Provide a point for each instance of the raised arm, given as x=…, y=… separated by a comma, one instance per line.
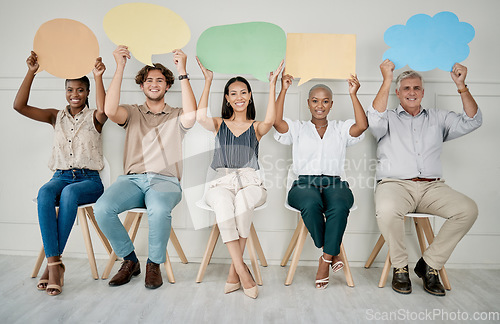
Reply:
x=209, y=123
x=264, y=126
x=113, y=110
x=100, y=94
x=21, y=101
x=380, y=101
x=361, y=123
x=458, y=74
x=279, y=124
x=188, y=117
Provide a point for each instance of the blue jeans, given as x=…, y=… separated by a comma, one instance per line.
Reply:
x=157, y=193
x=67, y=189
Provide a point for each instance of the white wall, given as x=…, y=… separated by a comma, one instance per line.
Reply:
x=470, y=163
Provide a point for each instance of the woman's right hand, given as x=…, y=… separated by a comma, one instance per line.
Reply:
x=121, y=54
x=209, y=75
x=32, y=62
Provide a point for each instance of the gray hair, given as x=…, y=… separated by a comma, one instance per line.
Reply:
x=410, y=74
x=321, y=86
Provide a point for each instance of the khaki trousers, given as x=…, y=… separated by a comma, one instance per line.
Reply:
x=395, y=198
x=233, y=197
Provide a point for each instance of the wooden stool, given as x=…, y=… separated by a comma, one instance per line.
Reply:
x=84, y=212
x=253, y=246
x=132, y=221
x=297, y=243
x=422, y=226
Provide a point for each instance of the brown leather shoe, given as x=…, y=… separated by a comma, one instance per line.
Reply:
x=153, y=276
x=128, y=269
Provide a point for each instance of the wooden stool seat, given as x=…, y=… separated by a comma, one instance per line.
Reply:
x=423, y=228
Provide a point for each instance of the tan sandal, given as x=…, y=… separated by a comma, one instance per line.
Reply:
x=56, y=288
x=319, y=282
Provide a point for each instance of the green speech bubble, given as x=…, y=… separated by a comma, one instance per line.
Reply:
x=255, y=48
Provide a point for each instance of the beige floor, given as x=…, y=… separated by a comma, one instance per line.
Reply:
x=85, y=300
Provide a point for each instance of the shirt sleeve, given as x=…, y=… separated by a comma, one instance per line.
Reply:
x=456, y=125
x=286, y=138
x=378, y=122
x=129, y=114
x=350, y=140
x=183, y=128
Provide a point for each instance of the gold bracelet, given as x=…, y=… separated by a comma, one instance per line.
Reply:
x=463, y=90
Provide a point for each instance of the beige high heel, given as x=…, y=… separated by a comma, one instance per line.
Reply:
x=56, y=288
x=230, y=287
x=251, y=292
x=324, y=281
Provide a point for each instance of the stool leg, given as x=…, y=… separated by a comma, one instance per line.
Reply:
x=253, y=259
x=38, y=263
x=258, y=247
x=90, y=214
x=212, y=240
x=168, y=269
x=291, y=246
x=420, y=235
x=88, y=242
x=177, y=246
x=385, y=271
x=296, y=254
x=347, y=268
x=429, y=233
x=376, y=250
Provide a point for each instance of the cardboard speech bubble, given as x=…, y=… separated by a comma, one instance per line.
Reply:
x=255, y=48
x=426, y=43
x=325, y=56
x=165, y=31
x=65, y=48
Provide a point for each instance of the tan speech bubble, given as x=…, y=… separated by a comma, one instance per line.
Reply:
x=324, y=56
x=65, y=48
x=163, y=31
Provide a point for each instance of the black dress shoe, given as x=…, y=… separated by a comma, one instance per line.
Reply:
x=430, y=277
x=401, y=280
x=153, y=276
x=128, y=269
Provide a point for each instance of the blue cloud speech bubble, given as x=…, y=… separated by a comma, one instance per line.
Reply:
x=426, y=43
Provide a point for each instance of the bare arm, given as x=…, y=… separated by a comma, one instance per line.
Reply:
x=380, y=101
x=361, y=123
x=21, y=101
x=113, y=110
x=209, y=123
x=188, y=117
x=264, y=126
x=458, y=74
x=279, y=124
x=100, y=95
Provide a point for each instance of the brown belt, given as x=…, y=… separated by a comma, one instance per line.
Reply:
x=424, y=179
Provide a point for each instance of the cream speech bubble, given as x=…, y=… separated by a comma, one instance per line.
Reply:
x=65, y=48
x=164, y=29
x=325, y=56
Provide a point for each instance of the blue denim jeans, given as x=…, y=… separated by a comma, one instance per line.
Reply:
x=157, y=193
x=67, y=189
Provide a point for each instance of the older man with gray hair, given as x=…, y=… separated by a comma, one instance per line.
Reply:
x=409, y=175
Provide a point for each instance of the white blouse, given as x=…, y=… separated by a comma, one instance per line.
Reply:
x=313, y=155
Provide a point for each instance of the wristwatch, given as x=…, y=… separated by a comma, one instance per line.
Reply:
x=185, y=76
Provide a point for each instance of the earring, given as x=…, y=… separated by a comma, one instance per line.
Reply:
x=250, y=101
x=228, y=104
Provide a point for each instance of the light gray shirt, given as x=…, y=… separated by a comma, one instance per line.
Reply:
x=410, y=146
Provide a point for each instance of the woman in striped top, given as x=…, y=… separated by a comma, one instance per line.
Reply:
x=238, y=189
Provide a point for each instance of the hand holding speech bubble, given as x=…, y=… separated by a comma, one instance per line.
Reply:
x=325, y=56
x=65, y=48
x=255, y=48
x=166, y=30
x=426, y=43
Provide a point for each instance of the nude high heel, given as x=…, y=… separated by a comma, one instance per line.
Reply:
x=251, y=292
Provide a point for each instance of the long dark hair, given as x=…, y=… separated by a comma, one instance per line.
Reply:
x=83, y=80
x=227, y=109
